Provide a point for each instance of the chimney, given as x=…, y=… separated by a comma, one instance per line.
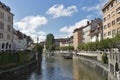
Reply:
x=92, y=20
x=88, y=22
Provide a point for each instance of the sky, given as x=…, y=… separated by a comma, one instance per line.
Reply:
x=37, y=18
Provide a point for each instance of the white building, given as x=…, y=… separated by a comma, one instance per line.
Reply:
x=6, y=27
x=86, y=32
x=19, y=40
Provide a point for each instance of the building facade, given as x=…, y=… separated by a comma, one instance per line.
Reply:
x=19, y=41
x=65, y=42
x=77, y=37
x=96, y=31
x=6, y=28
x=111, y=18
x=86, y=33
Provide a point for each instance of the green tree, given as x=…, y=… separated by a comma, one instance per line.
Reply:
x=104, y=58
x=39, y=49
x=66, y=48
x=49, y=43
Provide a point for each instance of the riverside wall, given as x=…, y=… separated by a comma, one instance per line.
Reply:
x=15, y=72
x=94, y=64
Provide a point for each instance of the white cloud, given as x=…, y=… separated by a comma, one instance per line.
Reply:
x=58, y=10
x=29, y=24
x=85, y=8
x=97, y=7
x=70, y=29
x=89, y=17
x=41, y=33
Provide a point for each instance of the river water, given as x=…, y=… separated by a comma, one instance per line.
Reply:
x=58, y=68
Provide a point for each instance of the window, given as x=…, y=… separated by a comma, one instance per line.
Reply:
x=108, y=25
x=1, y=35
x=108, y=17
x=8, y=36
x=118, y=10
x=2, y=45
x=1, y=25
x=104, y=26
x=118, y=20
x=118, y=30
x=9, y=28
x=9, y=18
x=1, y=15
x=6, y=45
x=107, y=8
x=105, y=34
x=109, y=33
x=111, y=5
x=113, y=31
x=104, y=19
x=9, y=46
x=104, y=11
x=113, y=22
x=113, y=13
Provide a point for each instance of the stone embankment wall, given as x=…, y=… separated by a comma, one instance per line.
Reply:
x=15, y=72
x=98, y=66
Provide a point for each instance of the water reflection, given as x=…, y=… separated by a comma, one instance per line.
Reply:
x=82, y=72
x=57, y=68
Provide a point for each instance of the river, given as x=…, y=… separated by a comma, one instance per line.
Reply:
x=58, y=68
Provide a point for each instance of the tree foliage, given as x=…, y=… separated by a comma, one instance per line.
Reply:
x=29, y=40
x=100, y=45
x=66, y=48
x=49, y=43
x=39, y=48
x=104, y=58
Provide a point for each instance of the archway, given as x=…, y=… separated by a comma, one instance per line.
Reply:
x=9, y=46
x=3, y=45
x=6, y=45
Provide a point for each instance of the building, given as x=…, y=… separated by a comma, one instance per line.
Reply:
x=111, y=26
x=6, y=28
x=86, y=32
x=111, y=18
x=96, y=31
x=19, y=41
x=62, y=42
x=77, y=37
x=15, y=39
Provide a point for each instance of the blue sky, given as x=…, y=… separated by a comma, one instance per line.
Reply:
x=60, y=17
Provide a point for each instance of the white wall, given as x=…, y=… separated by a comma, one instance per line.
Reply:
x=86, y=32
